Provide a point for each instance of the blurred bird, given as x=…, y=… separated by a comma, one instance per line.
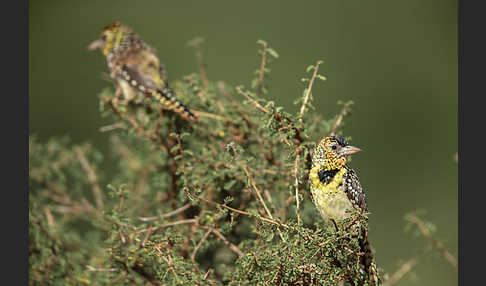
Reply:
x=136, y=68
x=336, y=188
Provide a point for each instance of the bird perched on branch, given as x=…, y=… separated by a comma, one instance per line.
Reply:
x=136, y=68
x=335, y=188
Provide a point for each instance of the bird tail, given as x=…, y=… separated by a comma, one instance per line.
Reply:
x=168, y=98
x=368, y=260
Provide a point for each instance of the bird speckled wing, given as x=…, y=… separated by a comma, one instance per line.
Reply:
x=336, y=188
x=354, y=190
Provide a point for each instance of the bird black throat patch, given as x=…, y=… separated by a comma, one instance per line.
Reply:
x=326, y=176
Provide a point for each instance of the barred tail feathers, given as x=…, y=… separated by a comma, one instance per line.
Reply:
x=167, y=98
x=368, y=260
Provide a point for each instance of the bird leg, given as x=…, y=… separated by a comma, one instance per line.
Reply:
x=335, y=224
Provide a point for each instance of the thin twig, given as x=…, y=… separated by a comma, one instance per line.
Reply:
x=233, y=247
x=264, y=219
x=171, y=263
x=236, y=104
x=78, y=208
x=309, y=89
x=194, y=252
x=339, y=119
x=207, y=274
x=211, y=115
x=277, y=116
x=356, y=218
x=93, y=269
x=252, y=183
x=257, y=105
x=167, y=260
x=174, y=223
x=406, y=267
x=166, y=215
x=296, y=184
x=50, y=219
x=147, y=236
x=93, y=181
x=139, y=129
x=111, y=127
x=262, y=70
x=196, y=44
x=426, y=232
x=257, y=191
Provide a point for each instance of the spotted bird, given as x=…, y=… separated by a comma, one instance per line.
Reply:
x=336, y=188
x=136, y=68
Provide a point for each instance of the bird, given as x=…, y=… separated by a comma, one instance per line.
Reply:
x=335, y=189
x=135, y=67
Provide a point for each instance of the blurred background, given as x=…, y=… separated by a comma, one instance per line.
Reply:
x=397, y=60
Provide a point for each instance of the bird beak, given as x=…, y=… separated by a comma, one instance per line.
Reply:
x=349, y=150
x=95, y=45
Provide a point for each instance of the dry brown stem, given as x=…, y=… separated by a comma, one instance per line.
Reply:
x=296, y=184
x=92, y=179
x=196, y=44
x=406, y=267
x=308, y=93
x=257, y=105
x=339, y=119
x=205, y=236
x=166, y=215
x=427, y=234
x=233, y=247
x=262, y=70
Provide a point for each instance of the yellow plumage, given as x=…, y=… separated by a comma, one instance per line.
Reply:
x=335, y=189
x=330, y=198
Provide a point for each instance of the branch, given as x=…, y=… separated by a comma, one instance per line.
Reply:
x=194, y=252
x=93, y=181
x=167, y=260
x=437, y=245
x=309, y=89
x=406, y=267
x=262, y=69
x=233, y=247
x=238, y=211
x=174, y=223
x=213, y=116
x=236, y=104
x=339, y=120
x=196, y=44
x=257, y=105
x=169, y=214
x=257, y=191
x=111, y=127
x=296, y=183
x=94, y=269
x=50, y=219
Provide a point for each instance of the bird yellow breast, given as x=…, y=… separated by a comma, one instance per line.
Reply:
x=330, y=198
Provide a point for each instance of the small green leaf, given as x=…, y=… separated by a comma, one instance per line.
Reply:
x=261, y=42
x=272, y=52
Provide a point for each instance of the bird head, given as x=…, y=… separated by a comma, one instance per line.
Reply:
x=333, y=152
x=111, y=37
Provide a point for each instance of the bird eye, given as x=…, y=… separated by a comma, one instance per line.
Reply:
x=333, y=147
x=103, y=37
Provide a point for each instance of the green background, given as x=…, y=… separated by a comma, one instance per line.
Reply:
x=397, y=60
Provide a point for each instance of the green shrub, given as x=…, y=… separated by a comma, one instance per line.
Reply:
x=223, y=201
